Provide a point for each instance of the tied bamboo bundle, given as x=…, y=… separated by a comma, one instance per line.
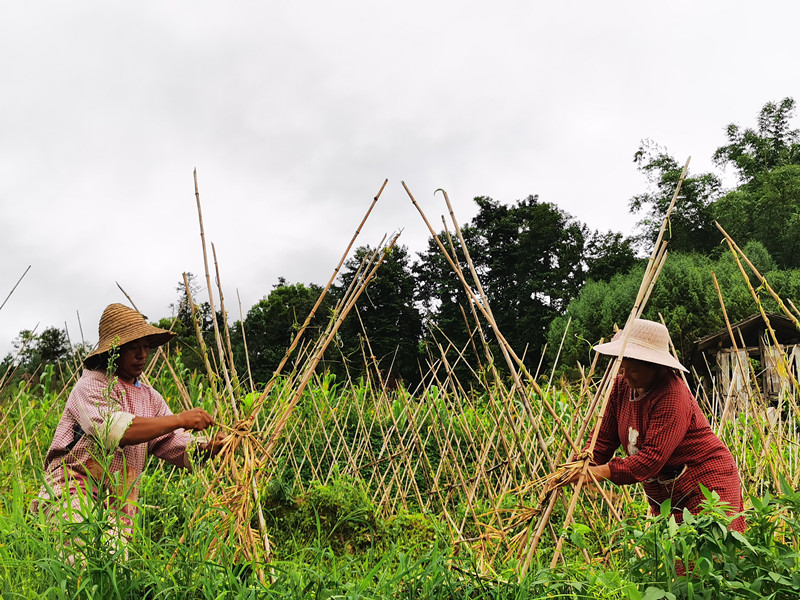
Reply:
x=564, y=474
x=233, y=481
x=520, y=376
x=654, y=265
x=578, y=462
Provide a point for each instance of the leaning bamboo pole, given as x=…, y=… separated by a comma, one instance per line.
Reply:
x=15, y=286
x=244, y=342
x=785, y=367
x=512, y=361
x=740, y=365
x=228, y=346
x=740, y=256
x=762, y=280
x=481, y=303
x=452, y=261
x=217, y=337
x=653, y=269
x=201, y=343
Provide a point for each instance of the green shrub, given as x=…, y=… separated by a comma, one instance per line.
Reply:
x=720, y=563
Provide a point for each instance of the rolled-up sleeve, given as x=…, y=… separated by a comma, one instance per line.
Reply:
x=98, y=415
x=172, y=447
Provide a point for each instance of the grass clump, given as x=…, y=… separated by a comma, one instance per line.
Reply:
x=341, y=514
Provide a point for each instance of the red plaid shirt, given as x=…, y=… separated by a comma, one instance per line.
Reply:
x=665, y=434
x=93, y=422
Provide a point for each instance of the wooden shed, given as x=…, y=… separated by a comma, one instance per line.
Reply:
x=724, y=362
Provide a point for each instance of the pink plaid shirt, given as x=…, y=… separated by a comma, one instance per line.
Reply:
x=93, y=424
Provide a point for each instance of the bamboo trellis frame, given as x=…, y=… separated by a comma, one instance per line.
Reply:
x=433, y=455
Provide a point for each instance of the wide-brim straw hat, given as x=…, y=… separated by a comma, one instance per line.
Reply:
x=648, y=341
x=120, y=325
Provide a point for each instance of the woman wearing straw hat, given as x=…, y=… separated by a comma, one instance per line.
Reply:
x=109, y=425
x=669, y=444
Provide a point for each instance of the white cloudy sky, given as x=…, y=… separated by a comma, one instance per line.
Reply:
x=294, y=113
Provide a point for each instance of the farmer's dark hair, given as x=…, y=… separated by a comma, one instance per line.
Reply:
x=98, y=362
x=651, y=365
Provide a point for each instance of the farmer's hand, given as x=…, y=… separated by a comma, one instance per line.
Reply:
x=600, y=472
x=212, y=447
x=195, y=418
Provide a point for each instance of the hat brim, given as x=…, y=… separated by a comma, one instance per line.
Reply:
x=638, y=352
x=154, y=335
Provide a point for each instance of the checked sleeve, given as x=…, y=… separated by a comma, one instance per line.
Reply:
x=171, y=447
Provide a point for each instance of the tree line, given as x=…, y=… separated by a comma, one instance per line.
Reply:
x=541, y=269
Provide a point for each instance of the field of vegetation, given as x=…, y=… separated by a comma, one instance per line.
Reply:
x=340, y=480
x=334, y=488
x=383, y=494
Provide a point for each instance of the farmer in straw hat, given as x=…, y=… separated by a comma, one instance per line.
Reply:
x=669, y=444
x=110, y=425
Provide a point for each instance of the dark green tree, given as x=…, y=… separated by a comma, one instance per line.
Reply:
x=766, y=205
x=766, y=210
x=385, y=323
x=608, y=254
x=771, y=144
x=692, y=226
x=26, y=351
x=271, y=325
x=52, y=345
x=33, y=352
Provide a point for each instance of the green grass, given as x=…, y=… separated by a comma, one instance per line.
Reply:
x=332, y=540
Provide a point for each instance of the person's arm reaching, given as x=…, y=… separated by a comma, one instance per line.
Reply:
x=146, y=429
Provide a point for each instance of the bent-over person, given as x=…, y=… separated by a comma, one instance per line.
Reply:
x=669, y=445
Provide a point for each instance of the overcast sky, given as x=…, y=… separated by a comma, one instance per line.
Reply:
x=294, y=113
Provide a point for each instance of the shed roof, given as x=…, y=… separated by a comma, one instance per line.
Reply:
x=750, y=329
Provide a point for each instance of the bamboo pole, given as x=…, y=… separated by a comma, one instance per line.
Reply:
x=735, y=348
x=228, y=346
x=244, y=341
x=483, y=309
x=764, y=317
x=762, y=280
x=217, y=337
x=655, y=262
x=212, y=377
x=505, y=347
x=15, y=286
x=316, y=306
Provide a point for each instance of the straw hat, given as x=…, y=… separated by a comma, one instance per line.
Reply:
x=120, y=325
x=648, y=341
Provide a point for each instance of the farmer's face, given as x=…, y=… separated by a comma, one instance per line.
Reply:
x=639, y=375
x=132, y=360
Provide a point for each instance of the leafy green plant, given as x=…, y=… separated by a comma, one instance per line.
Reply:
x=701, y=558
